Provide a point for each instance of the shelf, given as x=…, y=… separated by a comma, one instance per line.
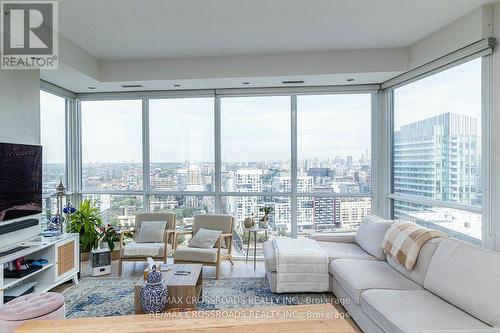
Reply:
x=9, y=282
x=43, y=287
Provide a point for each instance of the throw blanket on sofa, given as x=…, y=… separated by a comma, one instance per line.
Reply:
x=404, y=240
x=301, y=266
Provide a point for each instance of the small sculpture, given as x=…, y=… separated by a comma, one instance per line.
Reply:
x=154, y=293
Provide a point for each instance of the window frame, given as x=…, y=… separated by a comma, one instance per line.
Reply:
x=218, y=194
x=486, y=129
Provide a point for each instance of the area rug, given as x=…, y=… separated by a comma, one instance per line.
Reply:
x=115, y=296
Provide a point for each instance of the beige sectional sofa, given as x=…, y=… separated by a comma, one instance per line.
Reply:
x=454, y=286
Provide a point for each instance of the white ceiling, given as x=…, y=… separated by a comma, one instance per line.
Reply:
x=152, y=29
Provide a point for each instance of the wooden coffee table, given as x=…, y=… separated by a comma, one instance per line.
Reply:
x=184, y=291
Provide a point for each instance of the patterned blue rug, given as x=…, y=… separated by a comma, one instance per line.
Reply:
x=115, y=296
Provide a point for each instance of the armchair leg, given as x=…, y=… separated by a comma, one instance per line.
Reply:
x=217, y=271
x=119, y=267
x=231, y=261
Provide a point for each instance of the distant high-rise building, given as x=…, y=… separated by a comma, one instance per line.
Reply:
x=352, y=212
x=193, y=175
x=326, y=210
x=283, y=210
x=244, y=180
x=438, y=158
x=349, y=162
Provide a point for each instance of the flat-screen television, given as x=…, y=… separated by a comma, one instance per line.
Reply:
x=20, y=181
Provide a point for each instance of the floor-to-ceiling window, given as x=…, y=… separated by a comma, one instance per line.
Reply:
x=182, y=167
x=256, y=155
x=231, y=154
x=53, y=140
x=437, y=178
x=111, y=149
x=333, y=161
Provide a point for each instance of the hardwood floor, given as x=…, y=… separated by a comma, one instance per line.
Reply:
x=240, y=269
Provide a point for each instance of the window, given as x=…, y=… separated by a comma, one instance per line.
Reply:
x=182, y=144
x=112, y=145
x=255, y=135
x=333, y=161
x=437, y=149
x=117, y=210
x=53, y=139
x=242, y=207
x=255, y=153
x=184, y=207
x=333, y=187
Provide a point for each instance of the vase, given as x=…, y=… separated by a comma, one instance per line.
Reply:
x=248, y=223
x=154, y=293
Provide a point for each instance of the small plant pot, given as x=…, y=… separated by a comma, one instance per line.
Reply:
x=104, y=245
x=84, y=256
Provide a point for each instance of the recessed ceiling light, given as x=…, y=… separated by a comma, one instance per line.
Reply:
x=131, y=86
x=350, y=80
x=246, y=82
x=293, y=82
x=91, y=88
x=177, y=85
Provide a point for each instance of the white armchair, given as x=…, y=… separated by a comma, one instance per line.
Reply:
x=212, y=256
x=162, y=250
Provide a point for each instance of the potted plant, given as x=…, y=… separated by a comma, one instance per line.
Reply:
x=110, y=239
x=264, y=221
x=86, y=221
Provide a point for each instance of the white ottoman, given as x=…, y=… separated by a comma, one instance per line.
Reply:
x=41, y=306
x=296, y=266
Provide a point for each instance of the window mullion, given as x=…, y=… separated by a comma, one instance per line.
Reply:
x=146, y=165
x=293, y=166
x=218, y=157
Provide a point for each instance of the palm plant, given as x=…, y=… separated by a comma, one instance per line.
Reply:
x=86, y=221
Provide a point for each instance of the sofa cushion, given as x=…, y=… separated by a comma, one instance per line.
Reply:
x=419, y=271
x=337, y=237
x=371, y=233
x=411, y=311
x=344, y=251
x=269, y=256
x=467, y=277
x=197, y=254
x=356, y=276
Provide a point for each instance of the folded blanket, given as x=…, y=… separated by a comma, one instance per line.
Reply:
x=301, y=266
x=143, y=249
x=404, y=240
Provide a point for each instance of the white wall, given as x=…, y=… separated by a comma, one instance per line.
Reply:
x=20, y=106
x=462, y=32
x=19, y=122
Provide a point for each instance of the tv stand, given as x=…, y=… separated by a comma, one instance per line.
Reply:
x=62, y=253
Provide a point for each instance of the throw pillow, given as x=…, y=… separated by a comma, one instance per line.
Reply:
x=371, y=233
x=151, y=232
x=205, y=238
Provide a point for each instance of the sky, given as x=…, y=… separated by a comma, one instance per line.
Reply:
x=253, y=128
x=457, y=90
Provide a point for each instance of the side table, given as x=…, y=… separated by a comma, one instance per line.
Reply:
x=255, y=232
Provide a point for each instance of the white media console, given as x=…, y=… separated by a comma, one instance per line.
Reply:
x=62, y=253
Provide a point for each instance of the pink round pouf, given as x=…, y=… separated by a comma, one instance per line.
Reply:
x=41, y=306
